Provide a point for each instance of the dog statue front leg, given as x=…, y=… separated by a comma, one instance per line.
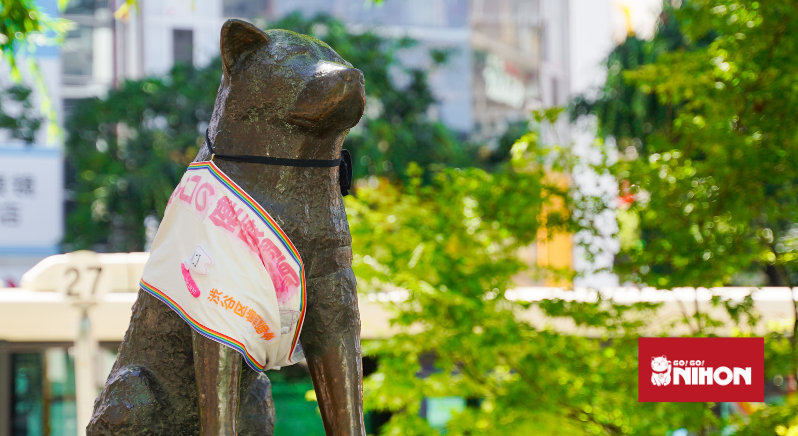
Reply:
x=331, y=341
x=218, y=372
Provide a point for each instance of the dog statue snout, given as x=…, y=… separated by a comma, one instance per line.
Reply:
x=353, y=75
x=334, y=98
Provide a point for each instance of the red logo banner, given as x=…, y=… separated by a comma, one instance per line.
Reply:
x=701, y=369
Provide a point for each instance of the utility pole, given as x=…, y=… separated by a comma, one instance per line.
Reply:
x=83, y=285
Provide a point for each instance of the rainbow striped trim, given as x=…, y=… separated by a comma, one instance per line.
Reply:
x=201, y=329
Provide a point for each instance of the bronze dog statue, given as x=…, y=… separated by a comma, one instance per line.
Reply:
x=282, y=95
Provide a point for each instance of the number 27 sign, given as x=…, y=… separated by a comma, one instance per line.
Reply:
x=82, y=279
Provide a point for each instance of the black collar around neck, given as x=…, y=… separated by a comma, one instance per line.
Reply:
x=344, y=163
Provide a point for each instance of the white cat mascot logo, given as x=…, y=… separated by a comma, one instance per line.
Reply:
x=661, y=371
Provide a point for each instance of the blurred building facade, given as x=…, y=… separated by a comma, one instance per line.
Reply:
x=31, y=177
x=508, y=56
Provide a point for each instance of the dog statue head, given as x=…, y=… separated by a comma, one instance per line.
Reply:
x=283, y=95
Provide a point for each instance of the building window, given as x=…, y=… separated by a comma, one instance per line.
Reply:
x=555, y=91
x=183, y=46
x=85, y=7
x=77, y=54
x=247, y=9
x=544, y=42
x=43, y=393
x=87, y=51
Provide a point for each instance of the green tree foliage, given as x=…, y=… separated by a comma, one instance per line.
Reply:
x=707, y=158
x=624, y=111
x=700, y=117
x=130, y=148
x=23, y=26
x=718, y=184
x=706, y=170
x=446, y=253
x=16, y=113
x=451, y=246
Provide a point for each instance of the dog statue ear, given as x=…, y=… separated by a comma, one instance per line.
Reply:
x=238, y=40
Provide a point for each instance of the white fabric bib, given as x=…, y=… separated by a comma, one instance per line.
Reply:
x=225, y=266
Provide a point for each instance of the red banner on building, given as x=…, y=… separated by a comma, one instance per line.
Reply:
x=701, y=369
